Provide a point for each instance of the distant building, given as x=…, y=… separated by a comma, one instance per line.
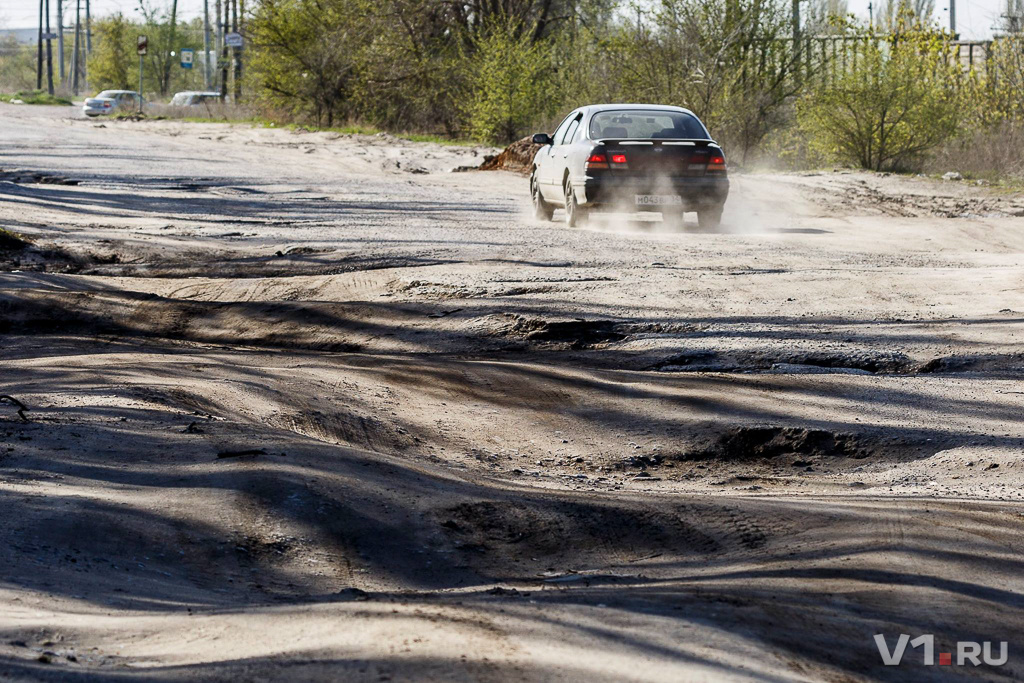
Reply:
x=22, y=35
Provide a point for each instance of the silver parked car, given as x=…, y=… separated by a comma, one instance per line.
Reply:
x=111, y=101
x=191, y=98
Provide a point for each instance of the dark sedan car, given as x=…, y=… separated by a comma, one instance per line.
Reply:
x=630, y=157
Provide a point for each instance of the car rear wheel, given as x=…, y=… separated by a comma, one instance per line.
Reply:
x=575, y=215
x=541, y=209
x=710, y=218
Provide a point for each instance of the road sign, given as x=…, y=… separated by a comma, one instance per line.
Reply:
x=186, y=58
x=233, y=40
x=142, y=47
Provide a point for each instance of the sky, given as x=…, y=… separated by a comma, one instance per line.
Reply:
x=975, y=18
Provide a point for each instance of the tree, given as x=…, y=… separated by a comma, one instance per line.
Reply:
x=893, y=14
x=1003, y=99
x=112, y=58
x=511, y=84
x=825, y=16
x=727, y=60
x=17, y=65
x=306, y=55
x=160, y=26
x=901, y=100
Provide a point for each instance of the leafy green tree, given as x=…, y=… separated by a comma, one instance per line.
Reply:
x=113, y=57
x=893, y=15
x=903, y=98
x=727, y=60
x=160, y=26
x=511, y=83
x=17, y=65
x=306, y=55
x=1003, y=99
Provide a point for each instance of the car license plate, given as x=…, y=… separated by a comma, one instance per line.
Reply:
x=658, y=200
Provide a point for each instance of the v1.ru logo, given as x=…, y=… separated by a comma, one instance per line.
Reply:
x=966, y=651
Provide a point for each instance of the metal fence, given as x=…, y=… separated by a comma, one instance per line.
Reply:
x=825, y=57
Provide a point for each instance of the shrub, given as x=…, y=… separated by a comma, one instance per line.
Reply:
x=510, y=86
x=903, y=98
x=112, y=65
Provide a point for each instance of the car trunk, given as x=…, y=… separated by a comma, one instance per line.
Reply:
x=668, y=158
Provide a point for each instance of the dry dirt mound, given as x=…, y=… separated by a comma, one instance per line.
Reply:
x=11, y=241
x=517, y=157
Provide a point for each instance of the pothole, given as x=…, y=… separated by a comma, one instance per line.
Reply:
x=852, y=362
x=575, y=333
x=746, y=443
x=495, y=531
x=36, y=178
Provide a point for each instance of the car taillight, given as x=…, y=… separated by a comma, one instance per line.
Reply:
x=716, y=163
x=597, y=160
x=107, y=105
x=618, y=158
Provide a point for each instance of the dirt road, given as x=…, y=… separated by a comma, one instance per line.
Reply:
x=305, y=406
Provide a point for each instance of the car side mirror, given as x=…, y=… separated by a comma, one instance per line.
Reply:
x=542, y=139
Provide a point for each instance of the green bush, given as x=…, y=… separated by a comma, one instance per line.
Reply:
x=113, y=65
x=305, y=56
x=904, y=97
x=510, y=86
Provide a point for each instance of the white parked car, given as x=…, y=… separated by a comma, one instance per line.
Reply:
x=191, y=98
x=111, y=101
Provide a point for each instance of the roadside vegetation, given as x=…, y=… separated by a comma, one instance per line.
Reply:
x=899, y=96
x=34, y=97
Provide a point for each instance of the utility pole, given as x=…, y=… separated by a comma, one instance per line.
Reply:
x=223, y=62
x=88, y=45
x=206, y=44
x=241, y=51
x=165, y=81
x=871, y=17
x=219, y=49
x=39, y=50
x=49, y=52
x=60, y=41
x=236, y=54
x=952, y=17
x=75, y=57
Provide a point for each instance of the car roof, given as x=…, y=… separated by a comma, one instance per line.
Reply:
x=595, y=108
x=197, y=92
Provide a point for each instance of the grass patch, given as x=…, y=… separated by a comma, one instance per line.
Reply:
x=11, y=241
x=35, y=97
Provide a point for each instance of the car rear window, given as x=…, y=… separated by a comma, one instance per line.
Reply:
x=625, y=124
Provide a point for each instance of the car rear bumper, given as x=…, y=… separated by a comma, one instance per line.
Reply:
x=97, y=111
x=695, y=192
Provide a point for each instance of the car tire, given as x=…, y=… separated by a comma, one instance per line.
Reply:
x=541, y=209
x=710, y=218
x=575, y=215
